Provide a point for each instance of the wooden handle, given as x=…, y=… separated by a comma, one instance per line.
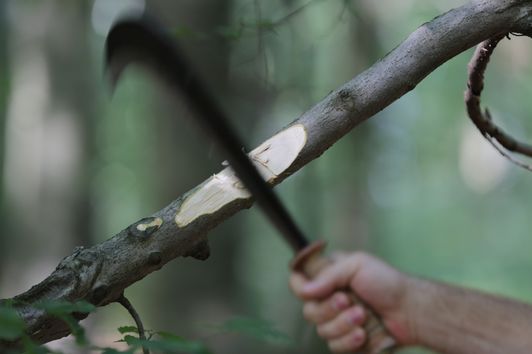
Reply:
x=311, y=261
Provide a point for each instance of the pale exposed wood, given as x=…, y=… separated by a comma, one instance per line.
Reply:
x=272, y=158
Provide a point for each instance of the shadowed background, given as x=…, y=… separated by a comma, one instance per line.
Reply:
x=416, y=184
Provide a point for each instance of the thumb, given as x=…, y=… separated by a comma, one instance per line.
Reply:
x=334, y=276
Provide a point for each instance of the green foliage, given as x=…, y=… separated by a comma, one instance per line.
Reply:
x=12, y=328
x=66, y=311
x=256, y=328
x=115, y=351
x=230, y=32
x=167, y=343
x=159, y=342
x=183, y=31
x=32, y=348
x=128, y=329
x=11, y=325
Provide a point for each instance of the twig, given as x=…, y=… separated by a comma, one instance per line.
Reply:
x=508, y=156
x=122, y=300
x=291, y=14
x=482, y=120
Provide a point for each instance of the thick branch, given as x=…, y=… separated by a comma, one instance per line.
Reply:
x=101, y=273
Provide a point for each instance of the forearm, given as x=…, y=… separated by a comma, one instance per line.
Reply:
x=455, y=320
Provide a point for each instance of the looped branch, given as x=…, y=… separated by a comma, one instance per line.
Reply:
x=482, y=120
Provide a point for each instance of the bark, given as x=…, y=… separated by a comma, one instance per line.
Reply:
x=101, y=273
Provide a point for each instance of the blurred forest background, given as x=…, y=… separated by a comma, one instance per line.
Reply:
x=416, y=185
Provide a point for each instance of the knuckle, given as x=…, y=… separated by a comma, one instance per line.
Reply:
x=360, y=256
x=339, y=256
x=309, y=311
x=349, y=342
x=322, y=331
x=330, y=330
x=332, y=346
x=297, y=292
x=296, y=285
x=336, y=347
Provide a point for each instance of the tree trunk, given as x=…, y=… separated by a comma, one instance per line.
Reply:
x=4, y=84
x=178, y=141
x=47, y=191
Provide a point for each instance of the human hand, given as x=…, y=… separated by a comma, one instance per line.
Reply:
x=338, y=320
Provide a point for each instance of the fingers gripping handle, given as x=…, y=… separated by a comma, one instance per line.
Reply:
x=311, y=261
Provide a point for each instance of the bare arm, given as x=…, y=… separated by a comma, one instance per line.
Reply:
x=444, y=318
x=456, y=320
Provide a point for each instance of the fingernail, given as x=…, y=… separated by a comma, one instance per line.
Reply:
x=356, y=316
x=340, y=302
x=358, y=336
x=310, y=287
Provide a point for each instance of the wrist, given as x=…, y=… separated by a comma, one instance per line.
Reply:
x=420, y=295
x=414, y=289
x=404, y=324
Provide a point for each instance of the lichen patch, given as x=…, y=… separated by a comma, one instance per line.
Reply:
x=145, y=227
x=155, y=223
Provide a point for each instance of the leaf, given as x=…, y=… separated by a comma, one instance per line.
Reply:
x=65, y=310
x=128, y=329
x=168, y=344
x=267, y=25
x=31, y=347
x=110, y=351
x=75, y=328
x=230, y=33
x=183, y=32
x=131, y=340
x=116, y=351
x=256, y=328
x=11, y=325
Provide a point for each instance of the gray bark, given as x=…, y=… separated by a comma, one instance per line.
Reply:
x=101, y=273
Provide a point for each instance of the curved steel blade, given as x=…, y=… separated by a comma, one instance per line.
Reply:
x=142, y=40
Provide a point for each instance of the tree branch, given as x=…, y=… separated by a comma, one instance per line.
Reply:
x=138, y=322
x=101, y=273
x=482, y=120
